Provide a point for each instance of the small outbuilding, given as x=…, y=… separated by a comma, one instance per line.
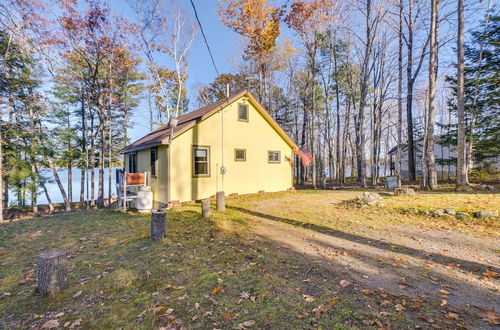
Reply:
x=232, y=145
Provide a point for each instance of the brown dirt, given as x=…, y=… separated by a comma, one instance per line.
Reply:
x=409, y=260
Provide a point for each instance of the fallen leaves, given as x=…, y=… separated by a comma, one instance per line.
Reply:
x=246, y=324
x=79, y=293
x=443, y=302
x=415, y=304
x=489, y=316
x=399, y=308
x=227, y=316
x=344, y=283
x=443, y=292
x=144, y=234
x=51, y=324
x=319, y=310
x=367, y=292
x=28, y=277
x=308, y=298
x=452, y=316
x=216, y=290
x=76, y=324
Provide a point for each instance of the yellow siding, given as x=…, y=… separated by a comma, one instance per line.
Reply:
x=250, y=176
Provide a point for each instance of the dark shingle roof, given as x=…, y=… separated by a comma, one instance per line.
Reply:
x=158, y=135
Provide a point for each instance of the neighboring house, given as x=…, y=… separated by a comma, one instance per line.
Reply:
x=232, y=145
x=445, y=159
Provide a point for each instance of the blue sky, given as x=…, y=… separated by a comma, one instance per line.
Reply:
x=227, y=49
x=225, y=45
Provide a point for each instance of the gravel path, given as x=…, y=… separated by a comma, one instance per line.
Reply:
x=420, y=263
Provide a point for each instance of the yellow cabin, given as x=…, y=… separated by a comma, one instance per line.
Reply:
x=232, y=145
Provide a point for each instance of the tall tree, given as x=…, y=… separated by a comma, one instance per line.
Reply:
x=462, y=177
x=429, y=156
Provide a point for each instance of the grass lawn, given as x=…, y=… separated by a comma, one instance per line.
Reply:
x=214, y=273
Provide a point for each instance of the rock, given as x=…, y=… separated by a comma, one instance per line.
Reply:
x=462, y=215
x=487, y=214
x=450, y=211
x=488, y=187
x=370, y=199
x=404, y=191
x=464, y=188
x=439, y=213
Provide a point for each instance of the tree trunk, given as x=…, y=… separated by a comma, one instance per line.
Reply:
x=400, y=95
x=462, y=179
x=92, y=161
x=110, y=148
x=363, y=86
x=409, y=97
x=430, y=161
x=46, y=192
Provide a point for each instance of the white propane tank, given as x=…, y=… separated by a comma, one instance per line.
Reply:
x=144, y=201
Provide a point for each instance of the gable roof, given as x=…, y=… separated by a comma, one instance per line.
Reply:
x=165, y=133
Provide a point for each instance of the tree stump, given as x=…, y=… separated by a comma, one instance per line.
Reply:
x=221, y=202
x=205, y=208
x=51, y=272
x=158, y=223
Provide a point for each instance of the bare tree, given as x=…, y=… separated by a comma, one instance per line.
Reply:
x=429, y=156
x=462, y=179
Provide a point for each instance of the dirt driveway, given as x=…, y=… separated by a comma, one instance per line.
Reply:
x=444, y=266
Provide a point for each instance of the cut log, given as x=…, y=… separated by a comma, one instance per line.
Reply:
x=221, y=201
x=51, y=272
x=158, y=223
x=205, y=208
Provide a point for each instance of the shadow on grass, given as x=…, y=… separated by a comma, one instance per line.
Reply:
x=434, y=257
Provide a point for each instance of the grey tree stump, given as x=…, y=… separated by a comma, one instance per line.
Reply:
x=51, y=272
x=205, y=208
x=221, y=201
x=158, y=222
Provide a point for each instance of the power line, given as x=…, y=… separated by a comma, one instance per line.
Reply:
x=204, y=38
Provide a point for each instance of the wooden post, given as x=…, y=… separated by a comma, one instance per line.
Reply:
x=205, y=208
x=221, y=203
x=158, y=220
x=51, y=272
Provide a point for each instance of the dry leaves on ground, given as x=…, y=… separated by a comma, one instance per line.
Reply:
x=489, y=316
x=51, y=324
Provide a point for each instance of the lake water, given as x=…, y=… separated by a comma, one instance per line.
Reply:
x=54, y=191
x=56, y=196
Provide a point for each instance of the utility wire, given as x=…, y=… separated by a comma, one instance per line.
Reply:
x=204, y=37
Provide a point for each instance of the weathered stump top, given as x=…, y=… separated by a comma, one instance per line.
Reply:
x=52, y=254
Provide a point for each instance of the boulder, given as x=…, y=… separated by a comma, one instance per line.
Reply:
x=462, y=215
x=450, y=211
x=404, y=191
x=487, y=214
x=438, y=213
x=369, y=198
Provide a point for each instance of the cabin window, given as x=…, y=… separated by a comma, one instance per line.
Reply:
x=153, y=159
x=201, y=158
x=274, y=156
x=240, y=155
x=132, y=162
x=242, y=112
